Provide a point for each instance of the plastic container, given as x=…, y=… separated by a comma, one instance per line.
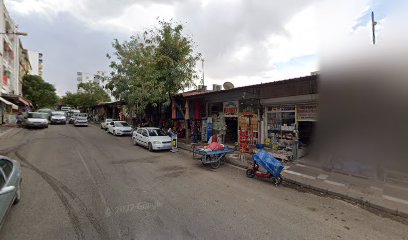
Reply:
x=260, y=146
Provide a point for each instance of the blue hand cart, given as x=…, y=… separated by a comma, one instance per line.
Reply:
x=213, y=158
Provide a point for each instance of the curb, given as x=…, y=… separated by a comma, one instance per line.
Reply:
x=363, y=203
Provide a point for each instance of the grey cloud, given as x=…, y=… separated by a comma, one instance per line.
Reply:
x=114, y=8
x=221, y=29
x=67, y=46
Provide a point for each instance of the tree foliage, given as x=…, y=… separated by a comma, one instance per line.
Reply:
x=90, y=94
x=39, y=92
x=151, y=67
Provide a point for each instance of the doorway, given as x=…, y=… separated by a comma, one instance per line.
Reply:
x=231, y=133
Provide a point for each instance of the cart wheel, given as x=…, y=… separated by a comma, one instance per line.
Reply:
x=277, y=181
x=216, y=164
x=250, y=173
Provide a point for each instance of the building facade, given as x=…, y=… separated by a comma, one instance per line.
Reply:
x=36, y=61
x=14, y=64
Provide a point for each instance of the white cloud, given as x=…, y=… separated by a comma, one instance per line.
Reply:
x=239, y=39
x=300, y=39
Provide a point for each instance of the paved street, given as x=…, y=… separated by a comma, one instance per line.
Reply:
x=82, y=183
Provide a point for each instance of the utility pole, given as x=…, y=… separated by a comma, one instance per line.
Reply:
x=373, y=23
x=202, y=65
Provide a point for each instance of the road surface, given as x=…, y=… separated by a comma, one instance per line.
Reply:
x=82, y=183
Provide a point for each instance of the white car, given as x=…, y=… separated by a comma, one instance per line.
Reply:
x=81, y=120
x=104, y=124
x=119, y=128
x=36, y=120
x=58, y=118
x=152, y=138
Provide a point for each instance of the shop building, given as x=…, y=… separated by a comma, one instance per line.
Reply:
x=280, y=115
x=290, y=111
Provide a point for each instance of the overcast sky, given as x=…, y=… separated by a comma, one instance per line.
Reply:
x=243, y=41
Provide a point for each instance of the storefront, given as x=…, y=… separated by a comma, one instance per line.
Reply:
x=8, y=112
x=280, y=134
x=289, y=128
x=306, y=115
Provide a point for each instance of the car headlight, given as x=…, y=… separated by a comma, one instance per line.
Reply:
x=156, y=142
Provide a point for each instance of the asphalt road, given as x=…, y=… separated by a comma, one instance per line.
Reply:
x=82, y=183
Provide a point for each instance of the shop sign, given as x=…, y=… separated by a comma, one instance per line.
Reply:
x=282, y=108
x=231, y=109
x=307, y=112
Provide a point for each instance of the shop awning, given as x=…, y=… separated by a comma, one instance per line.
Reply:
x=13, y=106
x=25, y=102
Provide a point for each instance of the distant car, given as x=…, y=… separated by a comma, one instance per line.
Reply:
x=47, y=111
x=119, y=128
x=72, y=115
x=58, y=118
x=152, y=138
x=10, y=185
x=81, y=120
x=65, y=109
x=104, y=124
x=36, y=120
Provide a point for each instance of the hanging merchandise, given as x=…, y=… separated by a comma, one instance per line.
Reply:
x=246, y=141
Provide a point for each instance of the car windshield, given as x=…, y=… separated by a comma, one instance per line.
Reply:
x=58, y=113
x=121, y=124
x=156, y=132
x=37, y=115
x=82, y=115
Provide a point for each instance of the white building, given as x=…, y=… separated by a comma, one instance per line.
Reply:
x=9, y=71
x=36, y=61
x=100, y=78
x=13, y=66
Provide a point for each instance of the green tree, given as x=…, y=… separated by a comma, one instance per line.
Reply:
x=153, y=66
x=39, y=92
x=90, y=95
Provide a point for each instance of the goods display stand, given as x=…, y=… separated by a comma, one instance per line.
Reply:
x=246, y=141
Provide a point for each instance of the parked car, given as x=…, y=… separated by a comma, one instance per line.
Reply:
x=152, y=138
x=81, y=120
x=119, y=128
x=10, y=185
x=36, y=120
x=104, y=124
x=58, y=118
x=73, y=114
x=65, y=108
x=47, y=111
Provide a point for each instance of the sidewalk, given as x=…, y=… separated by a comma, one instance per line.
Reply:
x=7, y=130
x=388, y=197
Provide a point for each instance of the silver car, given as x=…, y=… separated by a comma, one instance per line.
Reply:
x=10, y=185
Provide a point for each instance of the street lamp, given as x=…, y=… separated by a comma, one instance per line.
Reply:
x=15, y=33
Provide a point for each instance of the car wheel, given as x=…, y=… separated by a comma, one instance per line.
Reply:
x=46, y=126
x=114, y=133
x=18, y=194
x=101, y=127
x=150, y=147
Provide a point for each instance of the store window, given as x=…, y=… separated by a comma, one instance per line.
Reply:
x=280, y=134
